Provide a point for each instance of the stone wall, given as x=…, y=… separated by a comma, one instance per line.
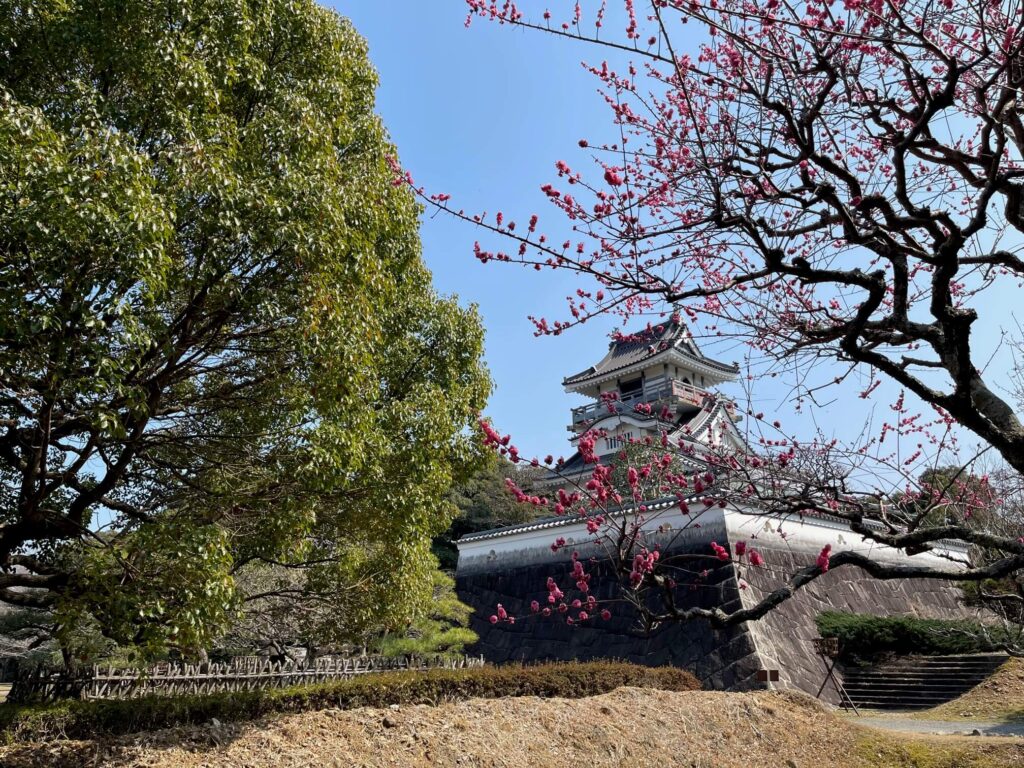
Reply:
x=512, y=570
x=783, y=638
x=721, y=659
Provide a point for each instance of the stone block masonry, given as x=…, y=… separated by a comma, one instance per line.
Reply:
x=783, y=638
x=511, y=566
x=719, y=658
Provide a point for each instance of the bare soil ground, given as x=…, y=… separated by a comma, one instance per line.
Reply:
x=628, y=727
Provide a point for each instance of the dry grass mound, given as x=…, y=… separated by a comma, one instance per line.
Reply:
x=89, y=719
x=1000, y=697
x=628, y=727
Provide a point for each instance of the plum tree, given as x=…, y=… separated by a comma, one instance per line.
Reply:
x=822, y=182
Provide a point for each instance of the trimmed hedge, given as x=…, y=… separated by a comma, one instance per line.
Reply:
x=862, y=636
x=88, y=719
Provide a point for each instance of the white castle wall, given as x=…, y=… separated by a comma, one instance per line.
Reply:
x=532, y=542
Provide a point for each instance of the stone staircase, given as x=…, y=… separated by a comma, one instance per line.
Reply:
x=918, y=682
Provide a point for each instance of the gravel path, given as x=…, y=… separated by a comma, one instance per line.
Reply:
x=943, y=727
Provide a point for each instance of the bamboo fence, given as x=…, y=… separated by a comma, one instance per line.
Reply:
x=246, y=673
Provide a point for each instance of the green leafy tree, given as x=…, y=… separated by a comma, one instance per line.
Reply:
x=484, y=502
x=219, y=348
x=438, y=628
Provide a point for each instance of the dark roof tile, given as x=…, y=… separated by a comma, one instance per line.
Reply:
x=647, y=345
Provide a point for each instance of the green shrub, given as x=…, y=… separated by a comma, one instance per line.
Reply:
x=87, y=719
x=862, y=636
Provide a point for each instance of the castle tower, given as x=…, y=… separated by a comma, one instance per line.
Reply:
x=648, y=383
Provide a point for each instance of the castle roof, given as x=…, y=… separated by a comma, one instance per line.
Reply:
x=697, y=422
x=561, y=521
x=651, y=508
x=577, y=465
x=645, y=347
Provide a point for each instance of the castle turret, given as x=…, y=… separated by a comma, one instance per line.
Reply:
x=649, y=382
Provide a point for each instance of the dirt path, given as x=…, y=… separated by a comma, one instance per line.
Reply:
x=941, y=727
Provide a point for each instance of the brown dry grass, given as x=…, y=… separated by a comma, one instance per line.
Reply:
x=1000, y=697
x=628, y=727
x=893, y=750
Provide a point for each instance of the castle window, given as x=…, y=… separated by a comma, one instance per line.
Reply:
x=618, y=441
x=631, y=387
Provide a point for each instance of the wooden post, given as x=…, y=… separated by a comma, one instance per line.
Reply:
x=828, y=649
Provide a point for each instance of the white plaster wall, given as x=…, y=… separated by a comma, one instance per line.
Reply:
x=540, y=540
x=811, y=534
x=807, y=535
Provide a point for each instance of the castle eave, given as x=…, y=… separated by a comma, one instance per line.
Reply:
x=703, y=365
x=647, y=347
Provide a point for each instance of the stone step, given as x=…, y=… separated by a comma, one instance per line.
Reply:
x=918, y=682
x=925, y=670
x=907, y=675
x=923, y=679
x=938, y=682
x=910, y=701
x=926, y=694
x=916, y=701
x=928, y=668
x=908, y=695
x=938, y=690
x=920, y=675
x=945, y=665
x=895, y=706
x=937, y=665
x=987, y=659
x=933, y=668
x=938, y=686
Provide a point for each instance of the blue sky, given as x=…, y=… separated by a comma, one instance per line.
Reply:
x=476, y=113
x=483, y=114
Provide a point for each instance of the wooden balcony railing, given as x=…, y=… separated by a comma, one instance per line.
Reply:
x=655, y=393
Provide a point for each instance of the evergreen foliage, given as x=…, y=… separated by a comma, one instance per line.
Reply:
x=219, y=348
x=441, y=628
x=862, y=636
x=484, y=502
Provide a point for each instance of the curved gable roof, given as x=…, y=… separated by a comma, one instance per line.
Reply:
x=646, y=346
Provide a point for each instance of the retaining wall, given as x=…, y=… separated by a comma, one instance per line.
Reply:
x=512, y=570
